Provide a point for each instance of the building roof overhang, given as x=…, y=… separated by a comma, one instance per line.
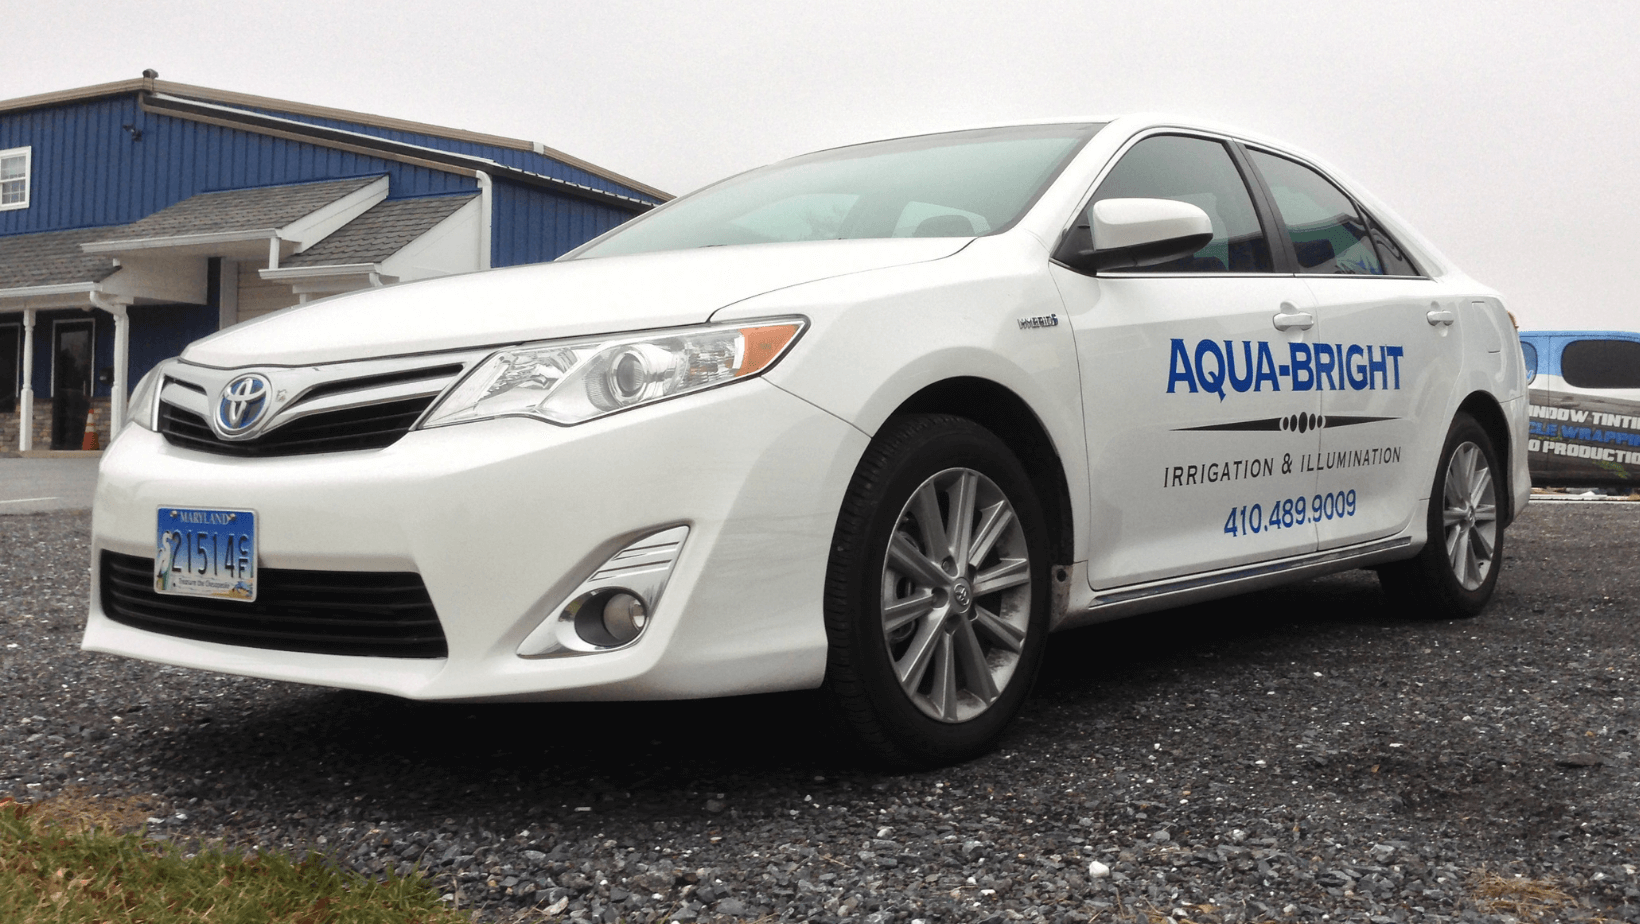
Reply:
x=329, y=280
x=252, y=243
x=40, y=298
x=271, y=221
x=360, y=143
x=246, y=100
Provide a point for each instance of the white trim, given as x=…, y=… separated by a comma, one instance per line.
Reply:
x=309, y=282
x=319, y=224
x=67, y=288
x=157, y=276
x=182, y=240
x=485, y=210
x=25, y=408
x=291, y=273
x=27, y=153
x=446, y=248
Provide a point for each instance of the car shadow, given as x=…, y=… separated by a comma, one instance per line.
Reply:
x=696, y=764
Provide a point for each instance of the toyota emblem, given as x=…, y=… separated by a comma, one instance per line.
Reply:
x=243, y=402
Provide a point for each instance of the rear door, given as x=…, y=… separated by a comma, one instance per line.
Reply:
x=1385, y=357
x=1194, y=424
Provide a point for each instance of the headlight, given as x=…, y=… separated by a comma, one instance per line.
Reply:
x=570, y=381
x=140, y=409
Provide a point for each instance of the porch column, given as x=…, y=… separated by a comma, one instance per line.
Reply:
x=25, y=406
x=122, y=365
x=118, y=306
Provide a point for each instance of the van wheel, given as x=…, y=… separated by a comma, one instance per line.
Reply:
x=936, y=593
x=1455, y=574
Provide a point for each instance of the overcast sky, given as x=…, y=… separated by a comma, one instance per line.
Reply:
x=1503, y=131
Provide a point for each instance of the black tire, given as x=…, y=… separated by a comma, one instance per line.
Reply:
x=1432, y=585
x=902, y=724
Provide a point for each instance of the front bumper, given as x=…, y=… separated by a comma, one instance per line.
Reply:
x=503, y=518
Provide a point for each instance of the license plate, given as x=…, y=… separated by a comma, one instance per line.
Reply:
x=206, y=553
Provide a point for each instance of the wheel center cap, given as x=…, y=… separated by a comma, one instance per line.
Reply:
x=962, y=595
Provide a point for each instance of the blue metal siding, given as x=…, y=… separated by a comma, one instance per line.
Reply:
x=87, y=171
x=511, y=157
x=534, y=226
x=160, y=332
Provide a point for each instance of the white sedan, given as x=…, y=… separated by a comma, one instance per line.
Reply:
x=875, y=420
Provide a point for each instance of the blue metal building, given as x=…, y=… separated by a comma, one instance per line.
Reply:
x=138, y=216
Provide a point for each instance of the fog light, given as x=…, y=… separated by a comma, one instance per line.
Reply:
x=624, y=616
x=612, y=607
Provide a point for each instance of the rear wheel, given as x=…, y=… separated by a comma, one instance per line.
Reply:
x=1455, y=574
x=936, y=592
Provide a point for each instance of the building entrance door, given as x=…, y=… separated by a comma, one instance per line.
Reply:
x=71, y=343
x=11, y=354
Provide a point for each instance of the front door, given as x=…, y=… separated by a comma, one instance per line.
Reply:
x=11, y=354
x=1194, y=425
x=71, y=355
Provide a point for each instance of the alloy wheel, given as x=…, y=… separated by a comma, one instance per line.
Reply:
x=1469, y=516
x=956, y=595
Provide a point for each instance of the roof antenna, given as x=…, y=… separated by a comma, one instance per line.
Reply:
x=151, y=74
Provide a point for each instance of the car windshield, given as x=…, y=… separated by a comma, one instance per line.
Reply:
x=961, y=184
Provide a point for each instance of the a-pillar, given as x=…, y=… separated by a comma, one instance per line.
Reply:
x=25, y=419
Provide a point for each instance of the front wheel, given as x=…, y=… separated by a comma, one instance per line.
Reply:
x=936, y=592
x=1455, y=574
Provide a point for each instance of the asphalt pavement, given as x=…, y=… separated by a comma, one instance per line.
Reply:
x=44, y=485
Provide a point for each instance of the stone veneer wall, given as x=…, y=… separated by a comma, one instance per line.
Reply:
x=42, y=425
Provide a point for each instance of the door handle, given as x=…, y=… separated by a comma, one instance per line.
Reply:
x=1287, y=320
x=1441, y=316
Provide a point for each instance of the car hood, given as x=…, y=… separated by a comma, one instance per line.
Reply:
x=543, y=301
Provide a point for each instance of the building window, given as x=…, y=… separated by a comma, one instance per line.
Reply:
x=14, y=170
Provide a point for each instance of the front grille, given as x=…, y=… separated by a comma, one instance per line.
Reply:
x=370, y=427
x=371, y=613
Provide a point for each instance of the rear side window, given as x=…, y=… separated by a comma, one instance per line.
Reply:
x=1529, y=353
x=1328, y=233
x=1601, y=364
x=1199, y=172
x=1391, y=254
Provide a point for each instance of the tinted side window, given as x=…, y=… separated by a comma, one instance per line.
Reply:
x=1601, y=364
x=1529, y=353
x=1199, y=172
x=1328, y=234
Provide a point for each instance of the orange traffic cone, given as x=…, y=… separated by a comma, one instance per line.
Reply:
x=90, y=440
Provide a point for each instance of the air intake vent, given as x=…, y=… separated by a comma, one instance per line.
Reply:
x=373, y=426
x=369, y=613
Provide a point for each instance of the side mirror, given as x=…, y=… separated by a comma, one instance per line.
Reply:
x=1132, y=233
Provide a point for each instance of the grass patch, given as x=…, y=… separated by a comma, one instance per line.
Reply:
x=71, y=862
x=1532, y=901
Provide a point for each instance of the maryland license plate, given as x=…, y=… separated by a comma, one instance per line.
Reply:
x=206, y=553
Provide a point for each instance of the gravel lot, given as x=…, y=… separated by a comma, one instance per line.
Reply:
x=1293, y=755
